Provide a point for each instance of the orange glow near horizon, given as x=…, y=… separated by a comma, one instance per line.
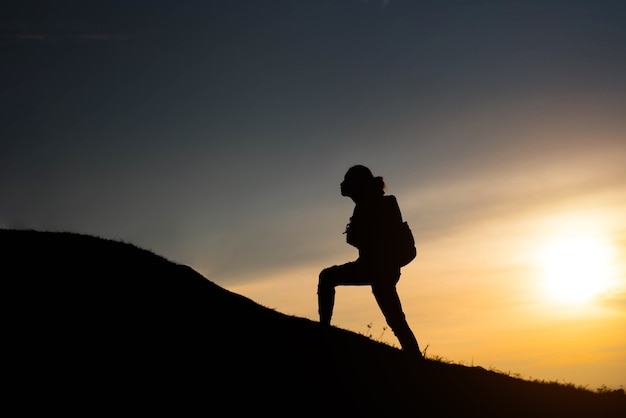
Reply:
x=538, y=292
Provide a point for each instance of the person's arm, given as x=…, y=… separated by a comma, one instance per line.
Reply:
x=354, y=231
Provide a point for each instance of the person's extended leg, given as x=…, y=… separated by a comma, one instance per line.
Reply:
x=346, y=274
x=389, y=302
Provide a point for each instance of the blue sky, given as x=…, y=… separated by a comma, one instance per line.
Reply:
x=216, y=133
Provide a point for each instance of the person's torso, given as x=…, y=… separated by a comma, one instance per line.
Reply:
x=370, y=225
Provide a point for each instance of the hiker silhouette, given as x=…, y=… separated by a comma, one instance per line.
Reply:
x=374, y=215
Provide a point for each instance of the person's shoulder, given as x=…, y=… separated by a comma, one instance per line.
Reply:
x=390, y=198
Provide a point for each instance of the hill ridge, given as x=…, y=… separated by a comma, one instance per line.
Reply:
x=120, y=325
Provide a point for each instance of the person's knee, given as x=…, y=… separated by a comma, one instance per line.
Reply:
x=328, y=276
x=326, y=279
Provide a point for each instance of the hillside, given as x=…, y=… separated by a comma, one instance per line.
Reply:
x=96, y=325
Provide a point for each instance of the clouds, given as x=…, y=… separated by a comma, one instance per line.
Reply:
x=383, y=3
x=59, y=33
x=59, y=22
x=615, y=301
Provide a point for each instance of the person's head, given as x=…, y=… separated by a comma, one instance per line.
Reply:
x=359, y=182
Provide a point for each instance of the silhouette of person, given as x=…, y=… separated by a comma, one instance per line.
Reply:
x=374, y=214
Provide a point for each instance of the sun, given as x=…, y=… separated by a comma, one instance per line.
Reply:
x=576, y=269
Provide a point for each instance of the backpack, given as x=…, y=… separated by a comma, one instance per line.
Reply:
x=404, y=244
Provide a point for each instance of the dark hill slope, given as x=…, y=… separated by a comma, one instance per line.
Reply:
x=98, y=325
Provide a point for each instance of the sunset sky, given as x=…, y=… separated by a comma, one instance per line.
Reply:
x=216, y=133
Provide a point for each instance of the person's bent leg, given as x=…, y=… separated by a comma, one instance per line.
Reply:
x=346, y=274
